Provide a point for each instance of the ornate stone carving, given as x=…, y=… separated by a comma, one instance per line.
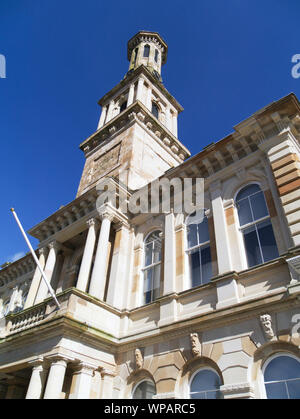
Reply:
x=138, y=359
x=195, y=344
x=266, y=322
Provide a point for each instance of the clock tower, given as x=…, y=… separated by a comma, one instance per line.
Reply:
x=136, y=138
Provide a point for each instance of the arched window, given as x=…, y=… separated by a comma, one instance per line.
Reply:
x=256, y=227
x=123, y=106
x=199, y=251
x=282, y=378
x=205, y=384
x=152, y=266
x=155, y=110
x=146, y=51
x=144, y=390
x=156, y=55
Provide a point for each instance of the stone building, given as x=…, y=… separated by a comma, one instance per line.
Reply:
x=150, y=305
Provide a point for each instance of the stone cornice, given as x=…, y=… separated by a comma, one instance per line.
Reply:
x=17, y=270
x=137, y=113
x=84, y=205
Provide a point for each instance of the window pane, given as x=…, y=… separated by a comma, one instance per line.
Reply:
x=156, y=56
x=258, y=205
x=276, y=391
x=247, y=191
x=123, y=107
x=192, y=231
x=267, y=240
x=294, y=389
x=252, y=247
x=203, y=231
x=203, y=382
x=156, y=282
x=195, y=268
x=282, y=368
x=157, y=251
x=146, y=51
x=206, y=264
x=155, y=110
x=148, y=254
x=145, y=390
x=148, y=285
x=244, y=212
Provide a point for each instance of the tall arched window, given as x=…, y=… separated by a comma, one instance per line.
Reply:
x=144, y=390
x=155, y=110
x=199, y=252
x=123, y=106
x=205, y=384
x=156, y=55
x=256, y=226
x=146, y=51
x=152, y=266
x=282, y=377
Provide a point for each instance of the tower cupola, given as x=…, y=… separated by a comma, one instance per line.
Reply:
x=149, y=49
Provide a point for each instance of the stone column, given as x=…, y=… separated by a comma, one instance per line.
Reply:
x=149, y=98
x=118, y=289
x=82, y=379
x=56, y=377
x=169, y=257
x=174, y=124
x=102, y=117
x=168, y=118
x=49, y=269
x=37, y=380
x=227, y=291
x=139, y=93
x=97, y=285
x=168, y=306
x=130, y=95
x=107, y=384
x=110, y=110
x=35, y=280
x=222, y=243
x=86, y=262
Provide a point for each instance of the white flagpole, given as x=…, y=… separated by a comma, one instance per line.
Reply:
x=35, y=258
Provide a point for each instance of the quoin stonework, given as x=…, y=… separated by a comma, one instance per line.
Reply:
x=152, y=305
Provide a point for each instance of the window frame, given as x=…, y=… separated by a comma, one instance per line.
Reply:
x=148, y=49
x=190, y=250
x=268, y=361
x=148, y=267
x=148, y=380
x=252, y=224
x=195, y=373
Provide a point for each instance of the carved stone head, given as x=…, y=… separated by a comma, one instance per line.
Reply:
x=196, y=345
x=138, y=358
x=266, y=322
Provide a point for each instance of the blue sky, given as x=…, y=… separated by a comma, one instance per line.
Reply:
x=227, y=59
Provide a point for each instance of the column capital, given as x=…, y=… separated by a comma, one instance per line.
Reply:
x=55, y=245
x=85, y=367
x=42, y=251
x=60, y=359
x=106, y=372
x=36, y=362
x=92, y=222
